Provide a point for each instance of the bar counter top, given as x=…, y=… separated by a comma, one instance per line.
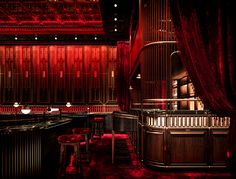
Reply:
x=34, y=125
x=11, y=123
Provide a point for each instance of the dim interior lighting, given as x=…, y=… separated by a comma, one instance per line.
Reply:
x=115, y=5
x=16, y=104
x=130, y=87
x=51, y=109
x=95, y=38
x=16, y=38
x=55, y=37
x=48, y=109
x=115, y=29
x=115, y=19
x=55, y=109
x=36, y=38
x=76, y=38
x=26, y=110
x=138, y=76
x=68, y=104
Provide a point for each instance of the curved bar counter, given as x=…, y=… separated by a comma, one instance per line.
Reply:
x=183, y=139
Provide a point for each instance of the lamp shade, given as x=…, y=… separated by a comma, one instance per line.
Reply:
x=16, y=104
x=68, y=104
x=25, y=110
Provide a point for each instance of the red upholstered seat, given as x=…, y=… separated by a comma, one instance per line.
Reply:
x=98, y=126
x=86, y=133
x=98, y=119
x=70, y=138
x=81, y=130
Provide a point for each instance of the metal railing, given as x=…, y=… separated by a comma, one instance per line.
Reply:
x=185, y=119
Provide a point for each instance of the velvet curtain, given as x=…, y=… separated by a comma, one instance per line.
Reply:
x=206, y=34
x=123, y=58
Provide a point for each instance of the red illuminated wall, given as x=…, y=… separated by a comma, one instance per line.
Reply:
x=57, y=74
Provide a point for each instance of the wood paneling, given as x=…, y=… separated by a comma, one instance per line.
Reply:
x=219, y=145
x=111, y=76
x=75, y=68
x=24, y=56
x=154, y=142
x=21, y=152
x=41, y=76
x=57, y=74
x=10, y=82
x=188, y=147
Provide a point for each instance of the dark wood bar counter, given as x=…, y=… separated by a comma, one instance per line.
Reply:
x=183, y=139
x=30, y=149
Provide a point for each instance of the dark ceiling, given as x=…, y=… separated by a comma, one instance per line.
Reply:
x=64, y=21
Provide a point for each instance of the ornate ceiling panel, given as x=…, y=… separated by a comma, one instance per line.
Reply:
x=64, y=21
x=50, y=16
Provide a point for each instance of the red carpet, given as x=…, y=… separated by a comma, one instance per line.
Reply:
x=126, y=166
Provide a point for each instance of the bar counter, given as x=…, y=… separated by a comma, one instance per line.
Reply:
x=28, y=143
x=29, y=147
x=182, y=139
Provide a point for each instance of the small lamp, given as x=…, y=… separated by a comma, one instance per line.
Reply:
x=68, y=104
x=26, y=110
x=16, y=104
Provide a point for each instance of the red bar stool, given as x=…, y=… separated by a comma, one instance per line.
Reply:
x=86, y=132
x=97, y=126
x=74, y=141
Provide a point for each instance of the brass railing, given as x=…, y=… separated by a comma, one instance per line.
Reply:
x=184, y=119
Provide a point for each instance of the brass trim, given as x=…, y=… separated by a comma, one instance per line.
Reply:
x=154, y=132
x=187, y=133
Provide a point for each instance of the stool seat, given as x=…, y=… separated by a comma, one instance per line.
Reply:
x=86, y=132
x=98, y=119
x=81, y=130
x=70, y=138
x=98, y=125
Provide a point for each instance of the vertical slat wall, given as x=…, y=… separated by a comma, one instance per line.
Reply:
x=20, y=154
x=57, y=74
x=24, y=56
x=75, y=67
x=93, y=57
x=155, y=60
x=112, y=61
x=41, y=72
x=8, y=77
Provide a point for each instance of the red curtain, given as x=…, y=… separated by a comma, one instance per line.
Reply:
x=123, y=58
x=206, y=34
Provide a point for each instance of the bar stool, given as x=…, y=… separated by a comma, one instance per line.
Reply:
x=86, y=132
x=97, y=126
x=74, y=141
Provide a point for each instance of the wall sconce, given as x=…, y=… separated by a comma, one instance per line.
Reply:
x=130, y=87
x=138, y=76
x=68, y=104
